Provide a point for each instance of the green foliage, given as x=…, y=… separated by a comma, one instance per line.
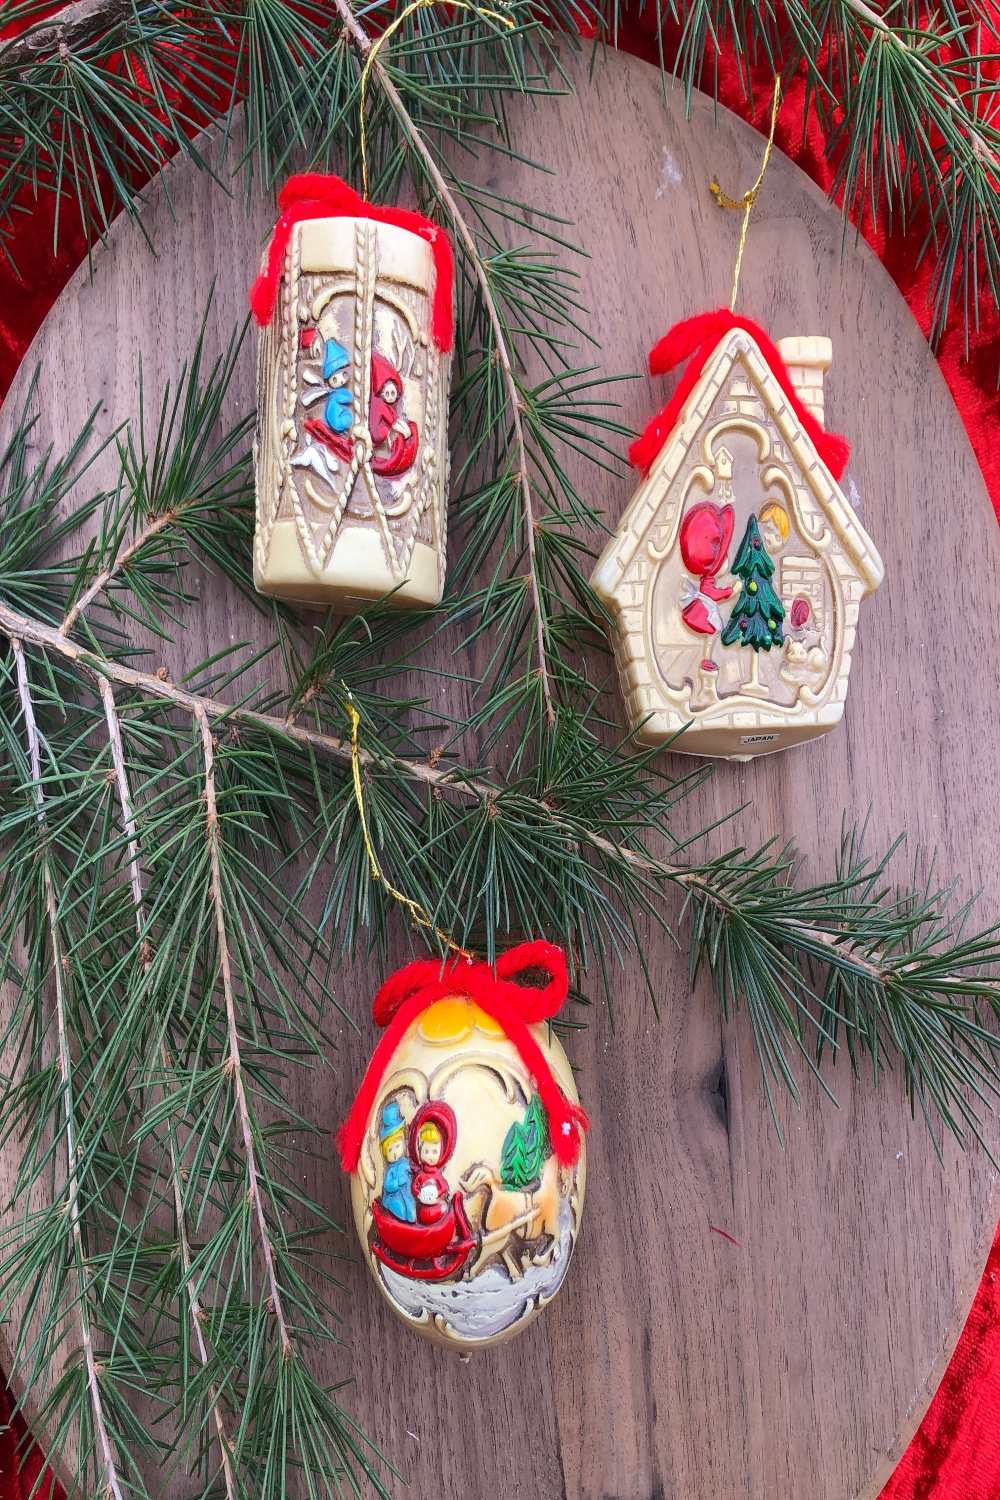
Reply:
x=758, y=612
x=526, y=1148
x=161, y=839
x=95, y=99
x=903, y=98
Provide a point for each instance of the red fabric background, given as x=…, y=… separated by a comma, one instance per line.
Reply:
x=956, y=1453
x=20, y=1461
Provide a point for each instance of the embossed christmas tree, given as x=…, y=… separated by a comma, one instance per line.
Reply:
x=758, y=612
x=526, y=1148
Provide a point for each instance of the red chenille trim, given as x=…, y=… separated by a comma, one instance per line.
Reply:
x=699, y=336
x=314, y=196
x=407, y=993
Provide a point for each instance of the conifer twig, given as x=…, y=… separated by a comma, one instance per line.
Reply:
x=60, y=970
x=878, y=23
x=135, y=876
x=201, y=705
x=234, y=1063
x=443, y=191
x=153, y=528
x=80, y=21
x=124, y=798
x=206, y=709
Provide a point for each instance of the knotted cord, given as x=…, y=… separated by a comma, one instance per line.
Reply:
x=750, y=196
x=477, y=10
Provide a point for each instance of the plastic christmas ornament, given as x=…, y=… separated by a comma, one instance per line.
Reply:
x=744, y=656
x=353, y=368
x=465, y=1146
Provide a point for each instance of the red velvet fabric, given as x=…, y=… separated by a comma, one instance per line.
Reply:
x=21, y=1466
x=956, y=1453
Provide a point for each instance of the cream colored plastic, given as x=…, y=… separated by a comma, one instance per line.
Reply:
x=738, y=442
x=523, y=1239
x=344, y=528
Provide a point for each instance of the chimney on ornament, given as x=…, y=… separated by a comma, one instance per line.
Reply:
x=807, y=359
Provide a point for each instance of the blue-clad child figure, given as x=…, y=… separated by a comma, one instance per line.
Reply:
x=397, y=1194
x=339, y=406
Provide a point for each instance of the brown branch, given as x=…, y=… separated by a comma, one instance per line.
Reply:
x=135, y=877
x=120, y=563
x=235, y=1062
x=447, y=779
x=73, y=26
x=60, y=971
x=197, y=1312
x=48, y=638
x=125, y=800
x=443, y=191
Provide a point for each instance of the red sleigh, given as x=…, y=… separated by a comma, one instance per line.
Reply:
x=401, y=456
x=424, y=1252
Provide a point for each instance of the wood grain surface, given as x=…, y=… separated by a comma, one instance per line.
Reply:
x=796, y=1362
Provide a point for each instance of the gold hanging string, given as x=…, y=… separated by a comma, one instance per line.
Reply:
x=478, y=10
x=417, y=912
x=749, y=197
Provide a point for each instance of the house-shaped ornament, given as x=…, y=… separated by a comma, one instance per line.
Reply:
x=735, y=576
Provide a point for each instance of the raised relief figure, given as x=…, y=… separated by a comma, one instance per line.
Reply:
x=751, y=653
x=397, y=1187
x=351, y=456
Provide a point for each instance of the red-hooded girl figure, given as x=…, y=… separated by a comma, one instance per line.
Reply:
x=385, y=421
x=432, y=1140
x=705, y=534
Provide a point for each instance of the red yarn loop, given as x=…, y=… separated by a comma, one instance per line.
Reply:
x=505, y=996
x=699, y=336
x=312, y=195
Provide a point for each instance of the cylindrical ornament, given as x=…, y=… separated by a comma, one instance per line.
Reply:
x=467, y=1185
x=353, y=369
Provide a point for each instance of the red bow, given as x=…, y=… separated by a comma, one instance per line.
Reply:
x=407, y=993
x=699, y=336
x=314, y=196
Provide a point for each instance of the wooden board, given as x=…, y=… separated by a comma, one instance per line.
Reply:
x=797, y=1362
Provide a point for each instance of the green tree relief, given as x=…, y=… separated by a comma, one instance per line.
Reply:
x=758, y=612
x=526, y=1148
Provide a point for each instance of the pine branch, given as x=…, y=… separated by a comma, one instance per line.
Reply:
x=121, y=562
x=200, y=705
x=135, y=876
x=95, y=90
x=234, y=1064
x=198, y=1314
x=125, y=801
x=60, y=972
x=879, y=24
x=514, y=404
x=813, y=938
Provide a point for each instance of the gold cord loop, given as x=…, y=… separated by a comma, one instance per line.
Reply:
x=750, y=196
x=492, y=15
x=416, y=911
